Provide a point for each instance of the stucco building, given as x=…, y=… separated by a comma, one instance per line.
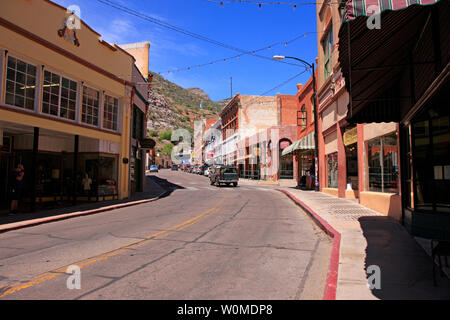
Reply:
x=65, y=106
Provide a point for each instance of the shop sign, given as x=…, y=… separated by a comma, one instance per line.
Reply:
x=350, y=137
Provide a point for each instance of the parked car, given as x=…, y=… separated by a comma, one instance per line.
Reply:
x=202, y=169
x=206, y=172
x=153, y=168
x=224, y=175
x=174, y=167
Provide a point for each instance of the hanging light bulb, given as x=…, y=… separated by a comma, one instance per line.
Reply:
x=269, y=48
x=259, y=5
x=285, y=44
x=295, y=6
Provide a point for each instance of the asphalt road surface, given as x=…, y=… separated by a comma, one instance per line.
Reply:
x=199, y=242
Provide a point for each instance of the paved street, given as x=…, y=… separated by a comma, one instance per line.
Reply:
x=199, y=242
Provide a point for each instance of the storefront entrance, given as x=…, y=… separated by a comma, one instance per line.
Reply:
x=49, y=158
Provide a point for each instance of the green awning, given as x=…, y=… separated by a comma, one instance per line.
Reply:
x=305, y=143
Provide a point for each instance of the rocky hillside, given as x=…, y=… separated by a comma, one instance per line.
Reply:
x=172, y=107
x=199, y=92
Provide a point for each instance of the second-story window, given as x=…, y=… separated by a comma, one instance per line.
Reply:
x=20, y=83
x=327, y=45
x=303, y=116
x=90, y=106
x=59, y=96
x=110, y=110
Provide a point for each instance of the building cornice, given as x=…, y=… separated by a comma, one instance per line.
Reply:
x=27, y=34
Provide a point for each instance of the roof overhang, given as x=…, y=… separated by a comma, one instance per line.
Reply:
x=373, y=61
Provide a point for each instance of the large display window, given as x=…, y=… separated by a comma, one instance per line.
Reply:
x=98, y=174
x=383, y=174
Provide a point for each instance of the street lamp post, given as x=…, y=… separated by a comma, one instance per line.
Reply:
x=316, y=132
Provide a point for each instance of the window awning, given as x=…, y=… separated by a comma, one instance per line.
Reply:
x=305, y=143
x=374, y=62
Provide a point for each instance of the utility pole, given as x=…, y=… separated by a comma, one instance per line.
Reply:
x=231, y=87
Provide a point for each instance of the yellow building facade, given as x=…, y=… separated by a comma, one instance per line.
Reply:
x=65, y=105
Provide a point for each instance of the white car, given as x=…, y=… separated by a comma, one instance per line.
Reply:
x=206, y=173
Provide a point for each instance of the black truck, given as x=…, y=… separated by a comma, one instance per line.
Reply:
x=222, y=174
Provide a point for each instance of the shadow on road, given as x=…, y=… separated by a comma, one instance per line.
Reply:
x=155, y=187
x=168, y=186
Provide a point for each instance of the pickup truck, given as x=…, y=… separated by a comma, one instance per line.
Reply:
x=220, y=175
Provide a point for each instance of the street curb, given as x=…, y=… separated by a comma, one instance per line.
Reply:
x=35, y=222
x=332, y=275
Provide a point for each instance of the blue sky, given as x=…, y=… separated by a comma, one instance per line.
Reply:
x=240, y=25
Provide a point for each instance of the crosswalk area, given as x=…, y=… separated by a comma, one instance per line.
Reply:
x=213, y=188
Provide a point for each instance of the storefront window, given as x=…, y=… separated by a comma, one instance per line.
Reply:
x=383, y=164
x=101, y=169
x=20, y=84
x=332, y=170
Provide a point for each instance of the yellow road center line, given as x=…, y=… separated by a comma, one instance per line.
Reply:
x=10, y=289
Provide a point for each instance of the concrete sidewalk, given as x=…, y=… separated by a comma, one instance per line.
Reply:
x=285, y=183
x=154, y=190
x=368, y=238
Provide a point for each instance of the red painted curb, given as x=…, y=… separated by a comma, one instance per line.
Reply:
x=332, y=276
x=39, y=221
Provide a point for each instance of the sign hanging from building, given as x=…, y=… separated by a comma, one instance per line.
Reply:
x=350, y=137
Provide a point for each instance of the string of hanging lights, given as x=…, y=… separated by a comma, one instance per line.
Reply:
x=261, y=3
x=236, y=57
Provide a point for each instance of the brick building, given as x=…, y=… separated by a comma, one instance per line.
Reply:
x=255, y=130
x=303, y=150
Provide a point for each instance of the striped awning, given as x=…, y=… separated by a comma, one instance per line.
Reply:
x=357, y=8
x=305, y=143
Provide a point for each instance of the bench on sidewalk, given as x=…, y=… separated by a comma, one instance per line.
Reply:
x=442, y=249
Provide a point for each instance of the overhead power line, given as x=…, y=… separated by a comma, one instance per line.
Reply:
x=186, y=32
x=261, y=3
